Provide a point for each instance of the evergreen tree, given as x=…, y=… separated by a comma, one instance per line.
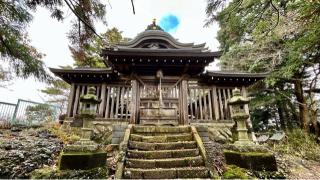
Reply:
x=276, y=36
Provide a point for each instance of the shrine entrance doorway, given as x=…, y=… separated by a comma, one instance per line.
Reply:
x=159, y=100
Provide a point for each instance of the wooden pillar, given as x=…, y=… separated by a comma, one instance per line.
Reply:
x=103, y=98
x=134, y=105
x=70, y=100
x=184, y=102
x=76, y=101
x=215, y=103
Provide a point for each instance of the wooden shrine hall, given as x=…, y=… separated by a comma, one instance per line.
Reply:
x=155, y=79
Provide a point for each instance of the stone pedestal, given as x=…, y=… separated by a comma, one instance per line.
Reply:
x=242, y=130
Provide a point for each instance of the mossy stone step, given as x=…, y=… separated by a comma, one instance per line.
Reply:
x=166, y=173
x=165, y=163
x=162, y=139
x=162, y=146
x=158, y=154
x=161, y=129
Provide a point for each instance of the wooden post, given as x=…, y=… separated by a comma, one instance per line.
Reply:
x=200, y=103
x=122, y=101
x=103, y=98
x=191, y=106
x=210, y=106
x=225, y=104
x=196, y=112
x=117, y=103
x=220, y=104
x=70, y=100
x=215, y=103
x=106, y=115
x=134, y=104
x=184, y=105
x=76, y=101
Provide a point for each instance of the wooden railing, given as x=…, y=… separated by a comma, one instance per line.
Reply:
x=200, y=103
x=115, y=104
x=208, y=103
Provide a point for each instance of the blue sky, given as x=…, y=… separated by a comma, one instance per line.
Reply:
x=169, y=23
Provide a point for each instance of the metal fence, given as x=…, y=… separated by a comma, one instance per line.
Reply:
x=27, y=112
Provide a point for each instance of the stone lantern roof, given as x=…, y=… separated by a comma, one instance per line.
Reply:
x=237, y=99
x=90, y=97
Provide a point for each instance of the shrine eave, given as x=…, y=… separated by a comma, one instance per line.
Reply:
x=161, y=53
x=229, y=78
x=85, y=75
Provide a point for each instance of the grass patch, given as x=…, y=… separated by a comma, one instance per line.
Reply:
x=300, y=144
x=66, y=137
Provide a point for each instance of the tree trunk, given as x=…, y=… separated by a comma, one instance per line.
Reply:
x=303, y=109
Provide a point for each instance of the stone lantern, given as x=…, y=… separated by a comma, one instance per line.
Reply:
x=238, y=114
x=90, y=102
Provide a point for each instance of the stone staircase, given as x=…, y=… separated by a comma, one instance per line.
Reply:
x=158, y=152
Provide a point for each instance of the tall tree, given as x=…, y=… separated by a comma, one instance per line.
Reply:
x=277, y=36
x=15, y=16
x=89, y=56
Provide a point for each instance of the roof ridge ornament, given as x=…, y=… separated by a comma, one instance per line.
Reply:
x=154, y=26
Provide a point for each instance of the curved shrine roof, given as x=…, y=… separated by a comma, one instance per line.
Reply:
x=155, y=49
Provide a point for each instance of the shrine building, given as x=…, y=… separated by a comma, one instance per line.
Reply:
x=155, y=79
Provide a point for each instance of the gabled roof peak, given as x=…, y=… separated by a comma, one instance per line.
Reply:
x=154, y=37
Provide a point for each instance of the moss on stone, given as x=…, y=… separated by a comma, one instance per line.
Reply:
x=234, y=172
x=82, y=160
x=252, y=160
x=52, y=173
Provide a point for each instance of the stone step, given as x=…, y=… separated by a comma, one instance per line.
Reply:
x=162, y=146
x=162, y=139
x=160, y=154
x=166, y=173
x=165, y=163
x=161, y=129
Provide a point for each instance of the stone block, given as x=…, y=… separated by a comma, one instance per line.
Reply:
x=119, y=127
x=149, y=154
x=160, y=174
x=116, y=140
x=194, y=172
x=171, y=163
x=144, y=129
x=154, y=139
x=258, y=161
x=202, y=128
x=135, y=137
x=133, y=174
x=142, y=145
x=180, y=137
x=140, y=163
x=77, y=161
x=118, y=134
x=176, y=145
x=184, y=153
x=194, y=161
